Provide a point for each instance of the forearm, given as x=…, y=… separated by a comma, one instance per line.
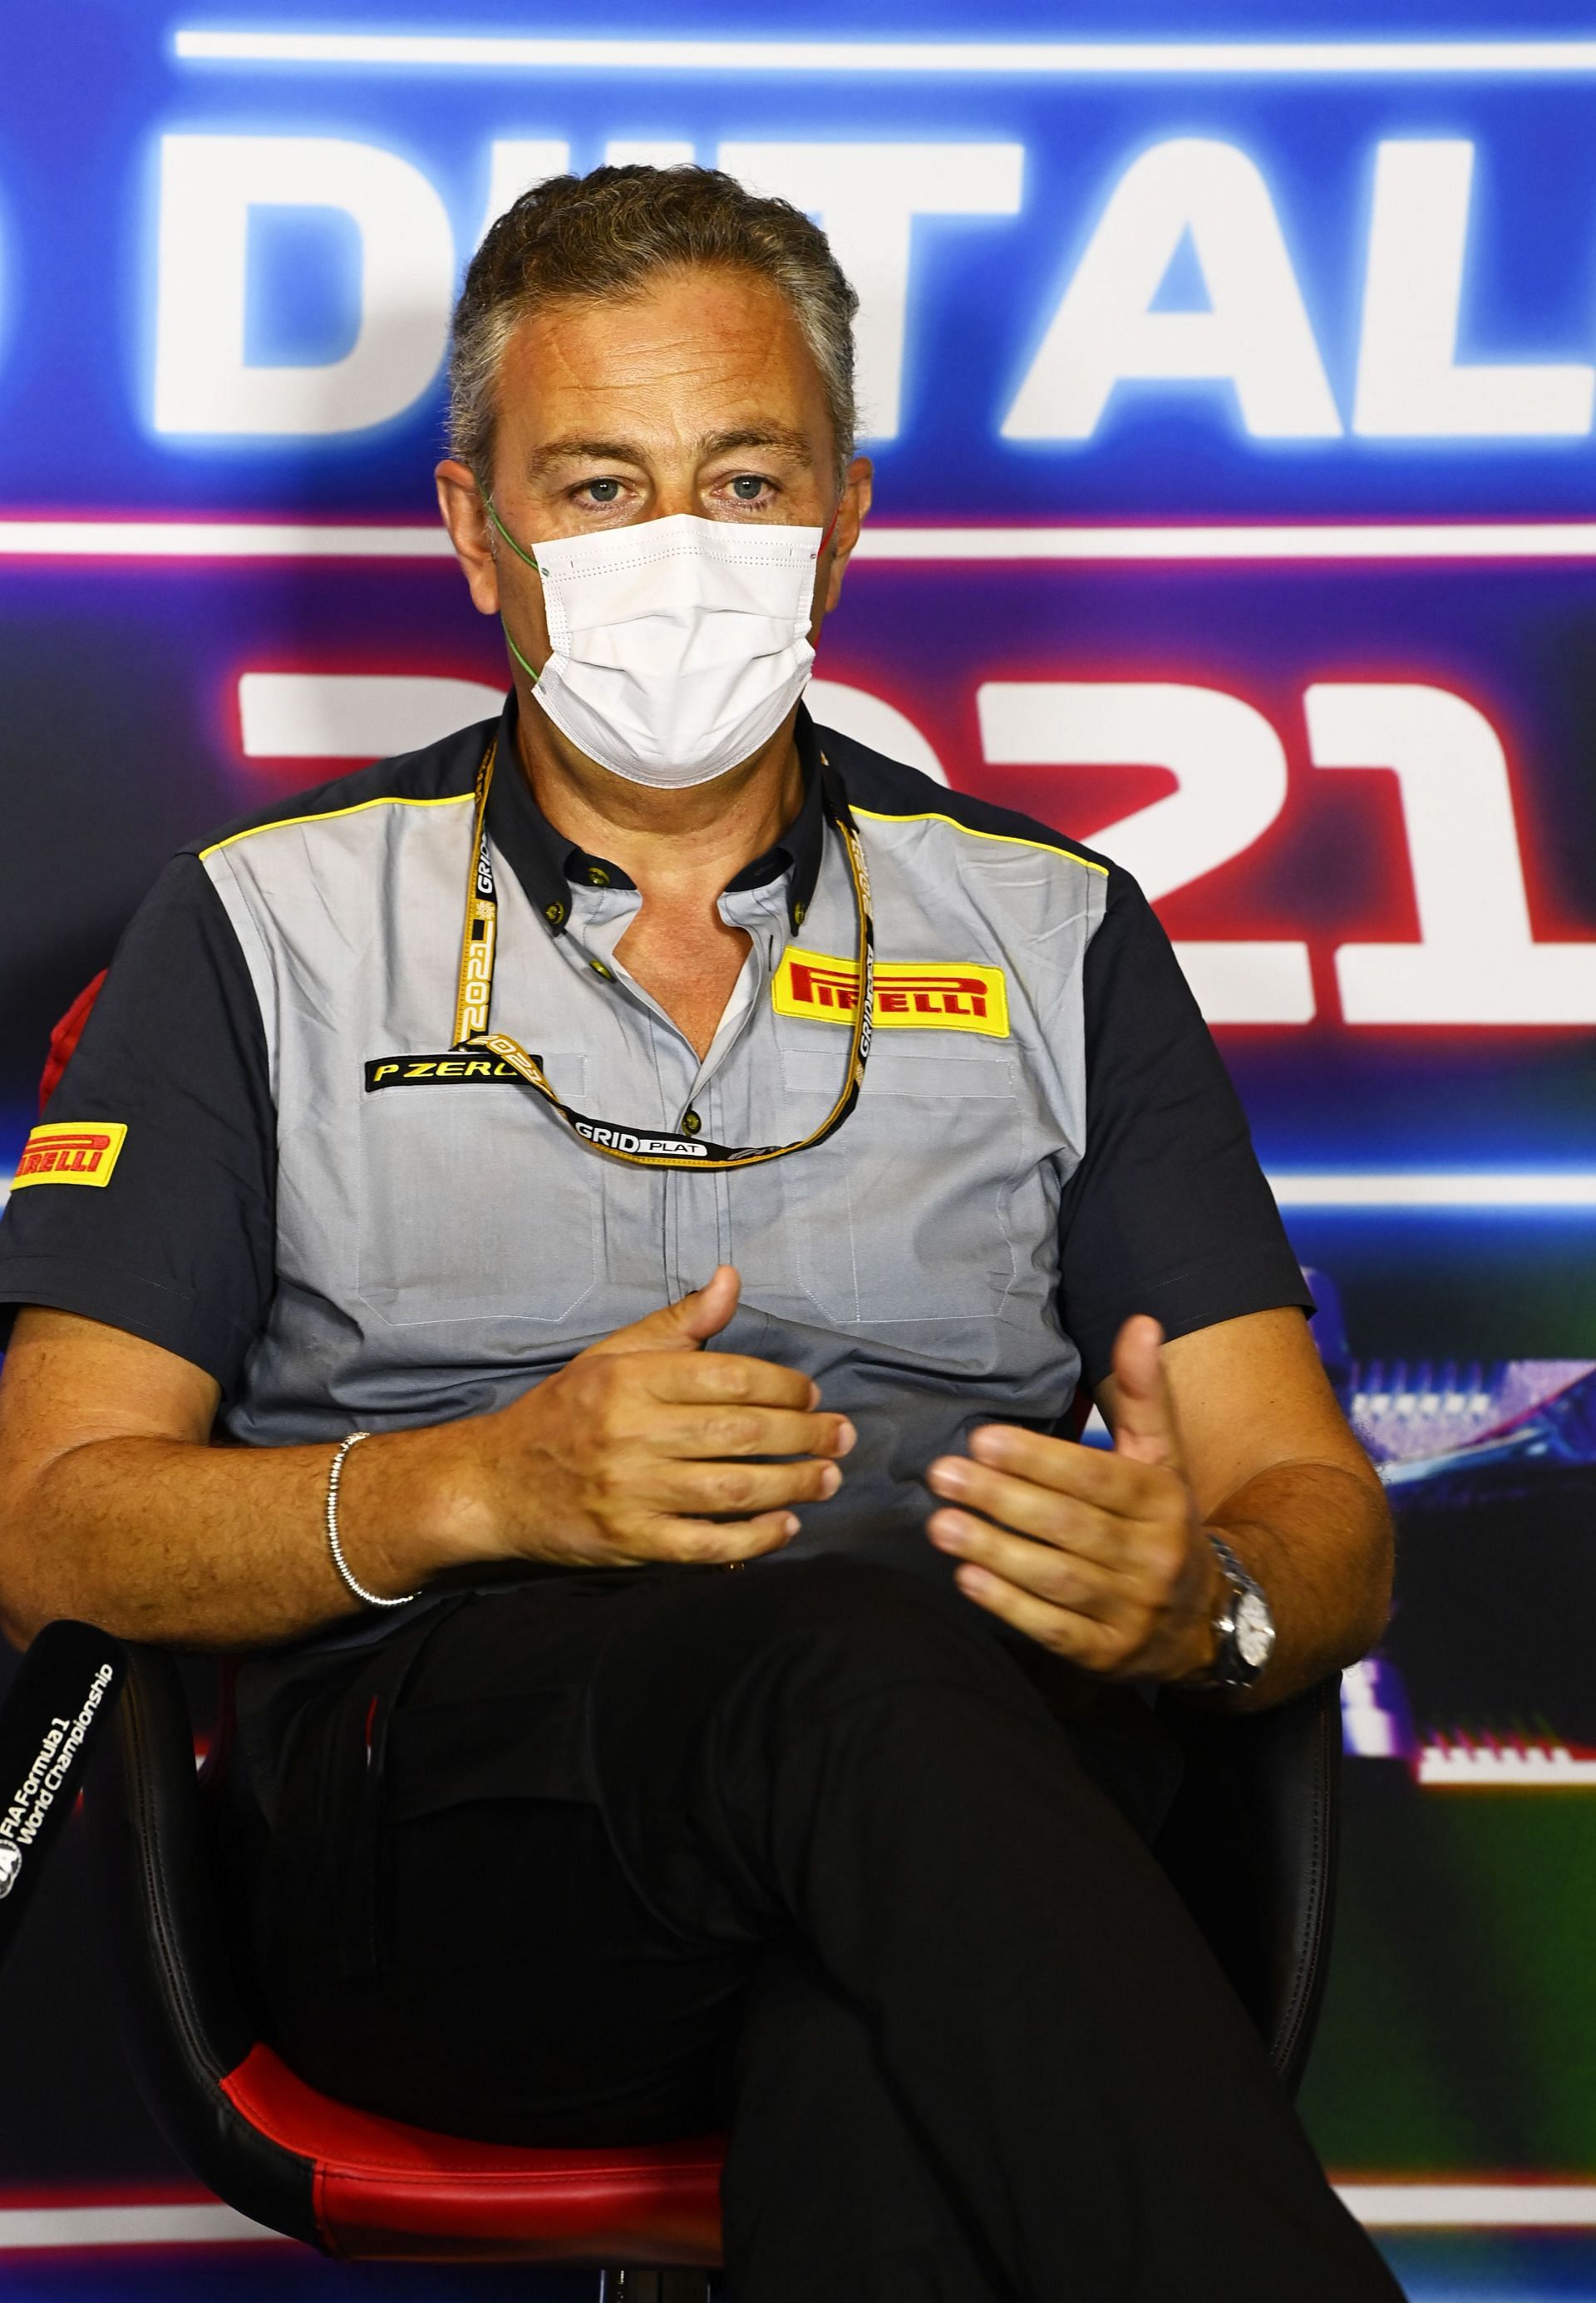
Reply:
x=1318, y=1539
x=180, y=1543
x=643, y=1448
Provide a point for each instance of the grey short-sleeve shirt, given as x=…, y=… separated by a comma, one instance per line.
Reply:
x=1046, y=1141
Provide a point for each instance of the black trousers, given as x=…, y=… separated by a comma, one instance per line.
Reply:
x=803, y=1849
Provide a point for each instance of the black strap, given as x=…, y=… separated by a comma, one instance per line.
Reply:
x=648, y=1147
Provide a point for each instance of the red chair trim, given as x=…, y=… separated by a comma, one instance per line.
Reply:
x=384, y=2187
x=66, y=1037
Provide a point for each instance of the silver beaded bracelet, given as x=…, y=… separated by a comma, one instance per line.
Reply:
x=372, y=1599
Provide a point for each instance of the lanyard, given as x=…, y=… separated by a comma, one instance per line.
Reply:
x=644, y=1147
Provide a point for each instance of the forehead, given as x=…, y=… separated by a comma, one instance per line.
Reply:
x=690, y=352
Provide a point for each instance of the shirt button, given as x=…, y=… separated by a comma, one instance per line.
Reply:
x=691, y=1123
x=599, y=969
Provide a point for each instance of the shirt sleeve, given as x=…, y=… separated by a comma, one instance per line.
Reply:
x=1169, y=1210
x=174, y=1240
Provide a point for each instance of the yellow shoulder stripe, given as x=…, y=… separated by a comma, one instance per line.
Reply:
x=1005, y=838
x=327, y=815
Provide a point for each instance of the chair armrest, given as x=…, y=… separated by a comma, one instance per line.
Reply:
x=184, y=2025
x=1251, y=1843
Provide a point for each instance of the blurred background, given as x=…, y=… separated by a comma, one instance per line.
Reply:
x=1230, y=374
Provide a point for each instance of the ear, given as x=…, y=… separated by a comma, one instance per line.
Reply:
x=470, y=531
x=851, y=512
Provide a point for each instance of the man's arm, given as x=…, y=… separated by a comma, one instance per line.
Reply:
x=1103, y=1557
x=114, y=1507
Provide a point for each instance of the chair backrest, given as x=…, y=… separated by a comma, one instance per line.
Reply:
x=65, y=1038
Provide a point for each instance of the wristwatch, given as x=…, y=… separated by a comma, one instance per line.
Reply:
x=1243, y=1626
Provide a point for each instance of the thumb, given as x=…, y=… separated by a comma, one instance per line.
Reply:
x=686, y=1324
x=1144, y=1414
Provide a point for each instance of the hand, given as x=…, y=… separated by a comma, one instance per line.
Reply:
x=1109, y=1565
x=622, y=1456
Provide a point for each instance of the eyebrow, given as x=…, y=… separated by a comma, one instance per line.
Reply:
x=581, y=452
x=626, y=452
x=759, y=436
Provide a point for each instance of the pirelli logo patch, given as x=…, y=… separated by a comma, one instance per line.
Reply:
x=68, y=1151
x=910, y=996
x=452, y=1069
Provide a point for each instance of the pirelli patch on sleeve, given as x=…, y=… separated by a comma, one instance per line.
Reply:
x=929, y=995
x=71, y=1152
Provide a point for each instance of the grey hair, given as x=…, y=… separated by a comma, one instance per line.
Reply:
x=603, y=235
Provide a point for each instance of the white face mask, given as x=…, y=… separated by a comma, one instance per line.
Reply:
x=676, y=646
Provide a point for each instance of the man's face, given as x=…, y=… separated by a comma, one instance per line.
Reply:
x=698, y=395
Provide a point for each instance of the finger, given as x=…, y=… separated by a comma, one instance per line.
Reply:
x=739, y=1490
x=1068, y=1521
x=1059, y=1629
x=1062, y=1578
x=726, y=1376
x=1144, y=1413
x=686, y=1325
x=715, y=1433
x=705, y=1542
x=1093, y=1475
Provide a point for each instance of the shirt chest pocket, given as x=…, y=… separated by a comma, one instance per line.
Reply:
x=475, y=1202
x=924, y=1205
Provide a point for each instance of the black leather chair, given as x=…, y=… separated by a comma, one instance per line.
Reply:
x=1251, y=1845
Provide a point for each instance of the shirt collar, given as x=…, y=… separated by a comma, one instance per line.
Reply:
x=549, y=865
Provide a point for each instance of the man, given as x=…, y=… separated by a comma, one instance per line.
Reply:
x=686, y=1141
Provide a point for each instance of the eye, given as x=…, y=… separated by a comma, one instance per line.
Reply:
x=602, y=492
x=748, y=487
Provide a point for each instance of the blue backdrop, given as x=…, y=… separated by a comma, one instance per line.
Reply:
x=1230, y=383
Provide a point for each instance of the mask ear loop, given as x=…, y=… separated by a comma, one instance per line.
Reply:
x=509, y=637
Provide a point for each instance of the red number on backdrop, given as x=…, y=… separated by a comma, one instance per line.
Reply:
x=1476, y=961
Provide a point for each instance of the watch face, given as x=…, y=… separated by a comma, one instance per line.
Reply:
x=1255, y=1631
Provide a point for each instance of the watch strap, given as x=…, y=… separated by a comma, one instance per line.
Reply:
x=1230, y=1668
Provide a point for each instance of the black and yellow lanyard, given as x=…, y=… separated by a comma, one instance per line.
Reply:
x=645, y=1147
